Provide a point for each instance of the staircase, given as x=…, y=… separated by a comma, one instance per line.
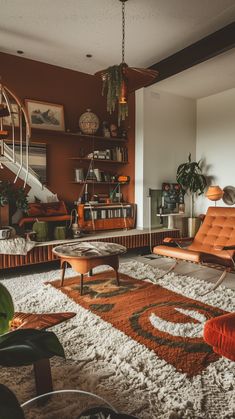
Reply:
x=30, y=178
x=12, y=108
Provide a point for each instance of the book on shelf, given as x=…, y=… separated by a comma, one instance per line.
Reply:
x=79, y=175
x=108, y=213
x=117, y=153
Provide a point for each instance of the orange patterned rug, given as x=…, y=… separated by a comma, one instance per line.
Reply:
x=168, y=323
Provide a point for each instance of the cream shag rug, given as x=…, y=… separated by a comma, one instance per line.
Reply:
x=103, y=360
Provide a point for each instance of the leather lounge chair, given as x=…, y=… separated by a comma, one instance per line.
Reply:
x=213, y=245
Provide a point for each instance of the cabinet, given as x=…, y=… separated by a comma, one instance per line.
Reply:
x=106, y=216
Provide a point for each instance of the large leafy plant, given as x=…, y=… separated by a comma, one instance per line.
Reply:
x=189, y=176
x=21, y=347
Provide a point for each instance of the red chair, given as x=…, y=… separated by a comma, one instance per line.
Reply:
x=219, y=333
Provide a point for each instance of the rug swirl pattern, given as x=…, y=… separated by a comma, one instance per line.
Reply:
x=168, y=323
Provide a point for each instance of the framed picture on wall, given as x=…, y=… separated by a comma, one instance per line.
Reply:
x=45, y=115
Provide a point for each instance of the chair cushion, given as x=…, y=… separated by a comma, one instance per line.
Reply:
x=35, y=209
x=55, y=208
x=176, y=252
x=219, y=333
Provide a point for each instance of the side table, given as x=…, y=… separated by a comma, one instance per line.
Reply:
x=84, y=256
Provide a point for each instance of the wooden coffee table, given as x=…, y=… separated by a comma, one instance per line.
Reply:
x=84, y=256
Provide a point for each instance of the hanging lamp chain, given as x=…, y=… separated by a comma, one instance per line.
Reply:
x=123, y=31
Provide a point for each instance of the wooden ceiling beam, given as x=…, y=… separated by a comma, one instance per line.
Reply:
x=202, y=50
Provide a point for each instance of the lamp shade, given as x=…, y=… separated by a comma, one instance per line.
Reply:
x=214, y=193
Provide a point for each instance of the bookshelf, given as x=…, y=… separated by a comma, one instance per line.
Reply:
x=78, y=149
x=104, y=158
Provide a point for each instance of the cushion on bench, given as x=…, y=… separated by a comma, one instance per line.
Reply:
x=52, y=211
x=51, y=208
x=219, y=333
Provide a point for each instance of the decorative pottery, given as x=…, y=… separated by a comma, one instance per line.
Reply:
x=229, y=195
x=41, y=230
x=89, y=122
x=60, y=233
x=214, y=193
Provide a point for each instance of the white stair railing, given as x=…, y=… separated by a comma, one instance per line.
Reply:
x=7, y=99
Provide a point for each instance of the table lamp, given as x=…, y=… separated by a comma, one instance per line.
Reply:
x=214, y=193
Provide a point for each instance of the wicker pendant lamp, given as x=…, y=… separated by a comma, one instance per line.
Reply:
x=120, y=80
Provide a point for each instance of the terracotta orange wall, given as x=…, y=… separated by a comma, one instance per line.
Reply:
x=76, y=92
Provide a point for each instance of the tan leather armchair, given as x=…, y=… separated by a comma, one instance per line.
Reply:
x=214, y=244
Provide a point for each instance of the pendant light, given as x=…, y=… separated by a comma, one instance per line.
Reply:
x=120, y=80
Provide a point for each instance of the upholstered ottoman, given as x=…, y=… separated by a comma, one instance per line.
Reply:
x=219, y=333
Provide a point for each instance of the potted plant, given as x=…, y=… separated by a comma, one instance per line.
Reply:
x=20, y=347
x=12, y=196
x=189, y=176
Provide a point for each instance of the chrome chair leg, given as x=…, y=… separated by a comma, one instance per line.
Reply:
x=168, y=271
x=218, y=282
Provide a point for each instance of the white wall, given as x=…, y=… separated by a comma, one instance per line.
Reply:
x=216, y=141
x=165, y=134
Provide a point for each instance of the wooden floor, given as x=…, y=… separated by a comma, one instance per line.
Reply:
x=184, y=268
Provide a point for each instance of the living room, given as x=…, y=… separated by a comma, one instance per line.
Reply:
x=117, y=292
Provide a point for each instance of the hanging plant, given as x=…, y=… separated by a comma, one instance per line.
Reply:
x=116, y=78
x=114, y=82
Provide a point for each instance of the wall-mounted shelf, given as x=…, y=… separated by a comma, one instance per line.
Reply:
x=91, y=182
x=99, y=160
x=78, y=135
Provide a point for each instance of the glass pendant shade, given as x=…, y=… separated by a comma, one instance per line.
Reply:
x=123, y=95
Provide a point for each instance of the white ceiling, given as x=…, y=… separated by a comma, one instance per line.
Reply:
x=210, y=77
x=62, y=32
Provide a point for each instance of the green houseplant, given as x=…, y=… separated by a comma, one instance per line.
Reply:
x=115, y=86
x=15, y=197
x=190, y=177
x=21, y=347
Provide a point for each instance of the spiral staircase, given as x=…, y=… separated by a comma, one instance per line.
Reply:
x=15, y=129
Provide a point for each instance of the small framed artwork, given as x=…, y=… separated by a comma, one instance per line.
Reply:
x=45, y=115
x=6, y=120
